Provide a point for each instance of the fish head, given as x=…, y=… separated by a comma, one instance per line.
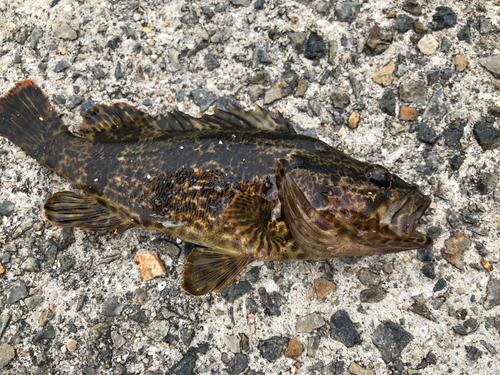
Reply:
x=343, y=207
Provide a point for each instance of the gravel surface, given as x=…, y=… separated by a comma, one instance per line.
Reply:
x=412, y=85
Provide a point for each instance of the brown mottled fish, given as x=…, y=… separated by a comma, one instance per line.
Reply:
x=241, y=184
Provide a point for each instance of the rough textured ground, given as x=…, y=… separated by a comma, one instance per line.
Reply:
x=72, y=301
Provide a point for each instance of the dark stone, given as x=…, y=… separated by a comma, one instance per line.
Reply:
x=252, y=306
x=454, y=133
x=378, y=41
x=223, y=103
x=238, y=364
x=35, y=37
x=489, y=347
x=67, y=239
x=388, y=103
x=492, y=298
x=445, y=45
x=112, y=307
x=211, y=62
x=467, y=217
x=59, y=99
x=315, y=47
x=314, y=106
x=147, y=102
x=98, y=72
x=372, y=295
x=270, y=307
x=186, y=365
x=342, y=329
x=426, y=133
x=473, y=353
x=73, y=102
x=403, y=23
x=487, y=182
x=190, y=18
x=347, y=11
x=43, y=67
x=456, y=162
x=434, y=233
x=494, y=110
x=273, y=348
x=261, y=56
x=6, y=208
x=71, y=327
x=139, y=316
x=61, y=66
x=486, y=136
x=432, y=77
x=86, y=105
x=118, y=71
x=412, y=7
x=259, y=4
x=429, y=271
x=419, y=307
x=425, y=255
x=340, y=99
x=234, y=291
x=114, y=42
x=440, y=285
x=253, y=275
x=187, y=335
x=67, y=262
x=444, y=18
x=16, y=293
x=368, y=277
x=391, y=339
x=464, y=34
x=203, y=98
x=446, y=75
x=45, y=334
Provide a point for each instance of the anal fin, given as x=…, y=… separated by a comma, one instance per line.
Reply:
x=211, y=270
x=70, y=210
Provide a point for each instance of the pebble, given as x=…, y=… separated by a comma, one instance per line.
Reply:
x=150, y=266
x=387, y=102
x=232, y=342
x=322, y=7
x=426, y=133
x=279, y=90
x=347, y=11
x=378, y=41
x=313, y=345
x=464, y=34
x=4, y=322
x=294, y=349
x=242, y=3
x=308, y=323
x=428, y=44
x=7, y=354
x=444, y=18
x=391, y=340
x=411, y=91
x=234, y=291
x=445, y=45
x=315, y=47
x=118, y=340
x=403, y=23
x=436, y=107
x=173, y=64
x=211, y=62
x=356, y=369
x=489, y=347
x=473, y=353
x=259, y=4
x=71, y=345
x=187, y=336
x=419, y=307
x=486, y=136
x=492, y=294
x=16, y=293
x=372, y=295
x=186, y=365
x=323, y=288
x=485, y=25
x=460, y=62
x=353, y=120
x=31, y=264
x=340, y=99
x=35, y=36
x=454, y=133
x=297, y=40
x=238, y=364
x=112, y=307
x=73, y=102
x=342, y=329
x=273, y=348
x=46, y=333
x=32, y=302
x=157, y=330
x=64, y=31
x=419, y=27
x=454, y=248
x=412, y=7
x=45, y=316
x=384, y=76
x=407, y=113
x=440, y=285
x=491, y=64
x=428, y=270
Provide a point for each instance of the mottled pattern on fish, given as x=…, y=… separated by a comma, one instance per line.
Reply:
x=242, y=184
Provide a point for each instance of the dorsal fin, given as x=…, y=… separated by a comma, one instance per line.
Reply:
x=122, y=122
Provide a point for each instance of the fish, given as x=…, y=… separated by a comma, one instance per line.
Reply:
x=241, y=185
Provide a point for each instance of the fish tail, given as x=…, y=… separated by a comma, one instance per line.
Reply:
x=28, y=120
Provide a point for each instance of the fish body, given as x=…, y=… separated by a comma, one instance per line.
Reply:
x=241, y=184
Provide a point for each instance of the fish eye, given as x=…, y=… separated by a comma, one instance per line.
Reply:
x=379, y=176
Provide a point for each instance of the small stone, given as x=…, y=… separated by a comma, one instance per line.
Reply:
x=173, y=64
x=428, y=44
x=485, y=25
x=444, y=18
x=353, y=120
x=429, y=271
x=323, y=288
x=118, y=340
x=46, y=333
x=45, y=316
x=71, y=345
x=232, y=342
x=36, y=35
x=118, y=71
x=297, y=40
x=455, y=246
x=387, y=103
x=273, y=348
x=187, y=336
x=460, y=63
x=489, y=347
x=347, y=11
x=440, y=285
x=342, y=329
x=491, y=64
x=356, y=369
x=315, y=47
x=372, y=295
x=31, y=264
x=378, y=41
x=308, y=323
x=473, y=353
x=419, y=307
x=33, y=302
x=486, y=136
x=242, y=3
x=384, y=76
x=396, y=128
x=279, y=90
x=492, y=298
x=238, y=364
x=419, y=27
x=426, y=133
x=186, y=365
x=255, y=92
x=454, y=133
x=6, y=208
x=464, y=34
x=150, y=266
x=270, y=308
x=211, y=62
x=7, y=354
x=403, y=23
x=322, y=7
x=157, y=330
x=16, y=293
x=411, y=91
x=340, y=99
x=436, y=107
x=313, y=345
x=4, y=322
x=487, y=182
x=368, y=277
x=64, y=31
x=391, y=340
x=407, y=113
x=73, y=102
x=112, y=307
x=412, y=7
x=294, y=349
x=445, y=45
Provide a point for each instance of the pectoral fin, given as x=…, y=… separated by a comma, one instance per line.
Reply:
x=211, y=270
x=70, y=210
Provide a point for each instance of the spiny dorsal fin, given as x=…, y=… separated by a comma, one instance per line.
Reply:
x=211, y=270
x=70, y=210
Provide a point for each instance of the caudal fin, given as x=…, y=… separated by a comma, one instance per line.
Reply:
x=28, y=119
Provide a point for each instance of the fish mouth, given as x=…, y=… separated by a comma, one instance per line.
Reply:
x=403, y=216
